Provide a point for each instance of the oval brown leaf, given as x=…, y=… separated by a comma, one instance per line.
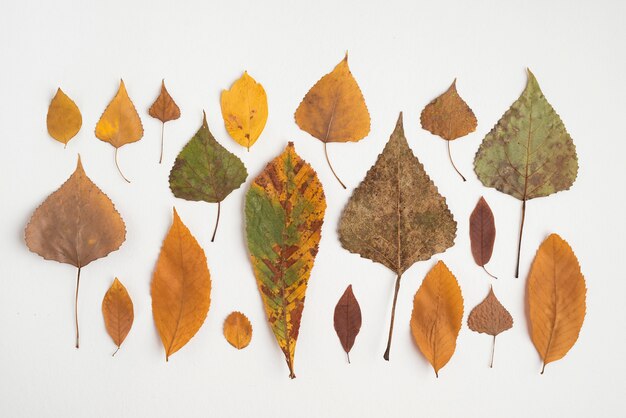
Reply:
x=482, y=234
x=238, y=330
x=64, y=119
x=164, y=109
x=117, y=310
x=347, y=320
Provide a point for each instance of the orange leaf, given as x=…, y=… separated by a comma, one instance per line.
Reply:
x=164, y=109
x=556, y=295
x=437, y=315
x=64, y=119
x=117, y=309
x=181, y=288
x=237, y=330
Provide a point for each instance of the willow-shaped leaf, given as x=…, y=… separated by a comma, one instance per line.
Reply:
x=396, y=216
x=284, y=214
x=206, y=171
x=528, y=153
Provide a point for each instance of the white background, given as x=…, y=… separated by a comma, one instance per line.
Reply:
x=402, y=54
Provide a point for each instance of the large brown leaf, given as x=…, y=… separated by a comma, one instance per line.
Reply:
x=347, y=320
x=164, y=109
x=482, y=234
x=117, y=310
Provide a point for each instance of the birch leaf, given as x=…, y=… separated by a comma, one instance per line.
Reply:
x=284, y=208
x=528, y=154
x=164, y=109
x=347, y=320
x=237, y=330
x=117, y=310
x=334, y=110
x=396, y=216
x=244, y=109
x=64, y=119
x=482, y=234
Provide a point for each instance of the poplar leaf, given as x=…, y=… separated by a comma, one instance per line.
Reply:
x=396, y=216
x=285, y=208
x=117, y=310
x=181, y=288
x=490, y=317
x=528, y=154
x=76, y=225
x=334, y=110
x=237, y=330
x=164, y=109
x=482, y=234
x=244, y=109
x=64, y=119
x=120, y=123
x=437, y=315
x=206, y=171
x=556, y=295
x=347, y=320
x=449, y=117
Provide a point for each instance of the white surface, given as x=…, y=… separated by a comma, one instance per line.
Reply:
x=403, y=54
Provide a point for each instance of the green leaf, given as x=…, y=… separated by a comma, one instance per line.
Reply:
x=528, y=153
x=206, y=171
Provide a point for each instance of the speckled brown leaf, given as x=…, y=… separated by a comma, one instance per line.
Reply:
x=164, y=109
x=490, y=317
x=396, y=216
x=482, y=234
x=347, y=320
x=237, y=330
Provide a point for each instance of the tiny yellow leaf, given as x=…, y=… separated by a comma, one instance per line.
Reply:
x=64, y=119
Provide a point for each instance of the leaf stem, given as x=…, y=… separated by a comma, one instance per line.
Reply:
x=118, y=167
x=519, y=244
x=487, y=271
x=393, y=315
x=115, y=352
x=493, y=350
x=331, y=167
x=452, y=162
x=162, y=132
x=348, y=354
x=76, y=306
x=217, y=222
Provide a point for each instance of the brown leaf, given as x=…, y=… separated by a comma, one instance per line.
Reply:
x=164, y=109
x=181, y=288
x=64, y=119
x=490, y=317
x=482, y=234
x=347, y=320
x=396, y=216
x=238, y=330
x=117, y=309
x=76, y=225
x=556, y=296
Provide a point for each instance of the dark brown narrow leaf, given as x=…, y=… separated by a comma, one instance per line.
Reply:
x=482, y=234
x=347, y=320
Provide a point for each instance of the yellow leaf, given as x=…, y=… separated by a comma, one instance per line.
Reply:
x=437, y=315
x=556, y=295
x=244, y=109
x=237, y=330
x=64, y=119
x=117, y=309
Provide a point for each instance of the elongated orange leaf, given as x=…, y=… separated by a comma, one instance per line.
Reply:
x=437, y=315
x=181, y=288
x=164, y=109
x=237, y=330
x=64, y=119
x=556, y=296
x=117, y=310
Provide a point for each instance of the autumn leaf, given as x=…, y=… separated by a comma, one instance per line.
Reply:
x=490, y=317
x=347, y=320
x=64, y=119
x=164, y=109
x=334, y=110
x=482, y=234
x=76, y=225
x=244, y=109
x=181, y=288
x=556, y=294
x=528, y=154
x=285, y=208
x=206, y=171
x=120, y=123
x=437, y=315
x=237, y=330
x=449, y=117
x=396, y=216
x=117, y=309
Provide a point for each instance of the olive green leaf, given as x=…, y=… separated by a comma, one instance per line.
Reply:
x=528, y=153
x=396, y=216
x=206, y=171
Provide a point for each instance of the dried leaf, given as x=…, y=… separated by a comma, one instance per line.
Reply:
x=490, y=317
x=482, y=234
x=64, y=119
x=528, y=153
x=334, y=110
x=164, y=109
x=347, y=320
x=120, y=123
x=385, y=222
x=244, y=109
x=181, y=288
x=437, y=315
x=556, y=294
x=237, y=330
x=206, y=171
x=76, y=225
x=449, y=117
x=117, y=309
x=285, y=208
